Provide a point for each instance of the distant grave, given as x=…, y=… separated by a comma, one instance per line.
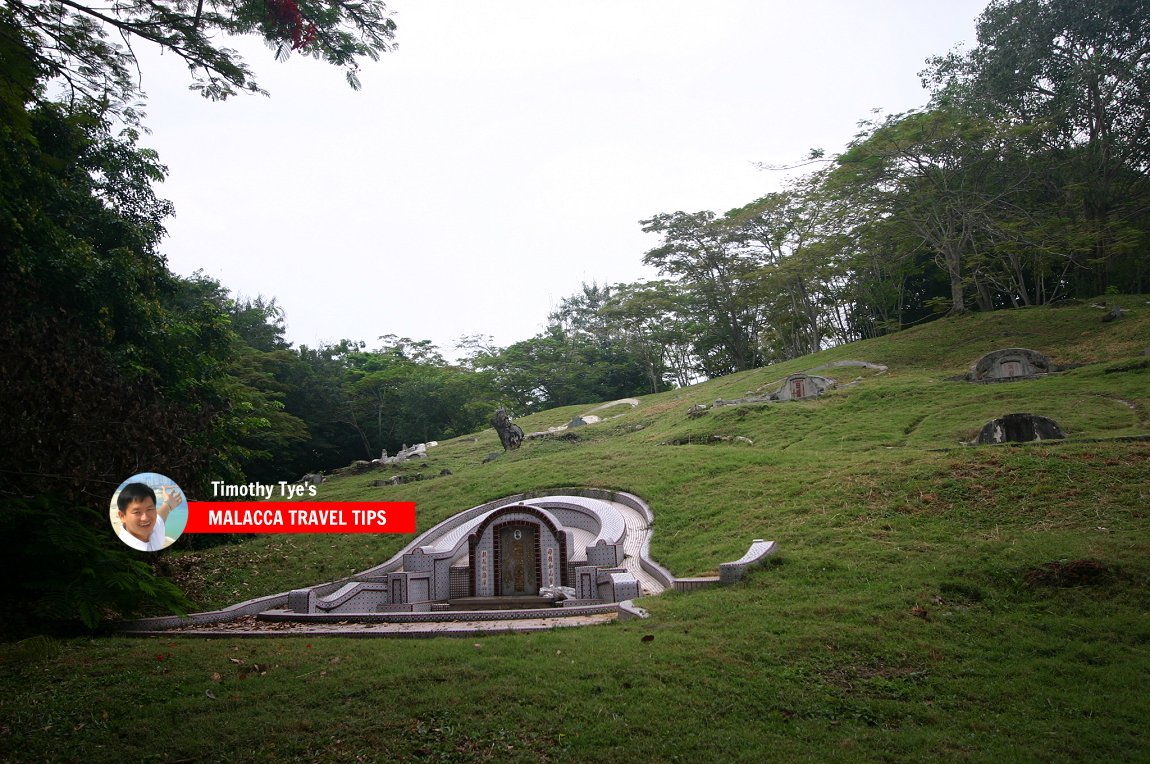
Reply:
x=800, y=386
x=1009, y=364
x=1019, y=428
x=794, y=388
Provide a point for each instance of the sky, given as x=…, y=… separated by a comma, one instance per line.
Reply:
x=504, y=153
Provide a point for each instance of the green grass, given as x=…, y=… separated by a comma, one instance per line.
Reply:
x=906, y=616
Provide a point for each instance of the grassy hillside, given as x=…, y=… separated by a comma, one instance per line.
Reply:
x=930, y=601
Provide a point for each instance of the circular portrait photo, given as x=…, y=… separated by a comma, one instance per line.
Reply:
x=148, y=511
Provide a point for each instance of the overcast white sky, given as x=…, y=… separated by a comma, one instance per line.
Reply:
x=505, y=152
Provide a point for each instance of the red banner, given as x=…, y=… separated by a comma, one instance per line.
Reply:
x=300, y=517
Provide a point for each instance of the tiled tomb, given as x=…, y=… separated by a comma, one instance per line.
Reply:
x=487, y=563
x=505, y=554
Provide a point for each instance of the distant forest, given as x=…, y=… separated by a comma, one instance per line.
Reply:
x=1022, y=181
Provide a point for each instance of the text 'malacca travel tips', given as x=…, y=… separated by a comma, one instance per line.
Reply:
x=292, y=516
x=149, y=512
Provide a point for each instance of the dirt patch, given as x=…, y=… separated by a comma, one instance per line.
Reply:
x=1069, y=573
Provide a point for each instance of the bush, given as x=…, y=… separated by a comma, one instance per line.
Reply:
x=64, y=569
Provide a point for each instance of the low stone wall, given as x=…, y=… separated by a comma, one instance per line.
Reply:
x=694, y=584
x=239, y=610
x=730, y=572
x=442, y=616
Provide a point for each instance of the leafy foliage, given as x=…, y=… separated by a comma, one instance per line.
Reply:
x=586, y=354
x=112, y=366
x=70, y=40
x=60, y=569
x=1022, y=182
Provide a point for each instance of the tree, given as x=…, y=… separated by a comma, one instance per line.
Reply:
x=1077, y=77
x=893, y=281
x=935, y=171
x=72, y=40
x=581, y=313
x=406, y=392
x=698, y=249
x=113, y=364
x=109, y=367
x=318, y=395
x=651, y=317
x=790, y=233
x=595, y=317
x=555, y=368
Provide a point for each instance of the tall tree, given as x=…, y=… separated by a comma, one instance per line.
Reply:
x=790, y=234
x=934, y=170
x=1077, y=75
x=144, y=369
x=699, y=250
x=581, y=313
x=406, y=392
x=106, y=371
x=652, y=318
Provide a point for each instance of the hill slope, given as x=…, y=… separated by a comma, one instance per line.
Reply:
x=930, y=600
x=890, y=430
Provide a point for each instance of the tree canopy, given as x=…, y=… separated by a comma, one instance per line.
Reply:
x=113, y=364
x=91, y=47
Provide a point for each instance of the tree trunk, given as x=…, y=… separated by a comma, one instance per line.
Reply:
x=954, y=268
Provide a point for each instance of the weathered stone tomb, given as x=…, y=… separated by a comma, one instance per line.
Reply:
x=1019, y=428
x=799, y=386
x=1009, y=364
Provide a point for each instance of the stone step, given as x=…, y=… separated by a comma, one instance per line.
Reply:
x=499, y=603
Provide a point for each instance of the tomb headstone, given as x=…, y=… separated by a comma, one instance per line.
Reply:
x=1007, y=364
x=799, y=386
x=1019, y=428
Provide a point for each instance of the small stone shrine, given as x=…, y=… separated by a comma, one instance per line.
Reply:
x=799, y=386
x=1009, y=364
x=796, y=387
